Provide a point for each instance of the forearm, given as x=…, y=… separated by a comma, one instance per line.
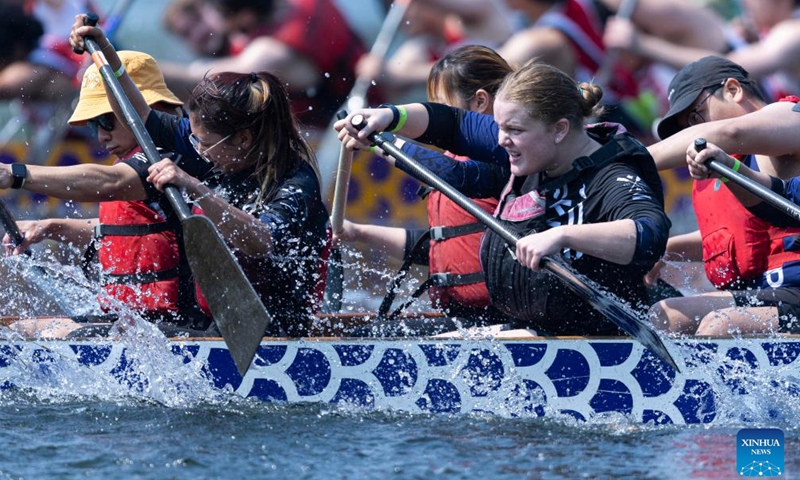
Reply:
x=613, y=241
x=772, y=130
x=392, y=240
x=81, y=183
x=240, y=230
x=687, y=247
x=76, y=232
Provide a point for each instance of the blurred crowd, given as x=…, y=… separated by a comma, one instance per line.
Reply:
x=319, y=47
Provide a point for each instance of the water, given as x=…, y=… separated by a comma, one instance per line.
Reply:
x=164, y=419
x=237, y=438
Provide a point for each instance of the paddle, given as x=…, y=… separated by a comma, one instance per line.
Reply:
x=9, y=225
x=357, y=97
x=622, y=315
x=762, y=192
x=240, y=316
x=603, y=74
x=334, y=287
x=38, y=276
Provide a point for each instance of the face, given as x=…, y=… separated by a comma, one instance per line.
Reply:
x=530, y=143
x=218, y=149
x=713, y=103
x=115, y=136
x=202, y=32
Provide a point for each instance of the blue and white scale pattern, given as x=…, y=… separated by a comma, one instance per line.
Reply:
x=555, y=377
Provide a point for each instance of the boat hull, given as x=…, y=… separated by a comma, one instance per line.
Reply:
x=573, y=377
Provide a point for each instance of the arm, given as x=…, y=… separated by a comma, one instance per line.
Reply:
x=391, y=239
x=779, y=50
x=82, y=183
x=262, y=54
x=771, y=131
x=473, y=178
x=241, y=230
x=698, y=169
x=79, y=30
x=74, y=232
x=611, y=241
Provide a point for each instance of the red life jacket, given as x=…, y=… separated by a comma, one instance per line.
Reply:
x=138, y=252
x=454, y=260
x=737, y=245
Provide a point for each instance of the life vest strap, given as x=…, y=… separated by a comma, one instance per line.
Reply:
x=102, y=230
x=443, y=233
x=455, y=279
x=140, y=278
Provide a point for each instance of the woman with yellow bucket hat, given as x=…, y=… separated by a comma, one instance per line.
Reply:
x=136, y=233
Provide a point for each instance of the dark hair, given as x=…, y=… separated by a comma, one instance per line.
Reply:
x=226, y=103
x=263, y=8
x=467, y=69
x=549, y=94
x=19, y=32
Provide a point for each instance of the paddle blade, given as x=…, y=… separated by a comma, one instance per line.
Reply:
x=638, y=328
x=238, y=312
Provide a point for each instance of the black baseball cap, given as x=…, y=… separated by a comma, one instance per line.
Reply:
x=690, y=81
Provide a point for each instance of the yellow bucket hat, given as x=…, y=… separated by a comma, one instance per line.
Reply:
x=144, y=72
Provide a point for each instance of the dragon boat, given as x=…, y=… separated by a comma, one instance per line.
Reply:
x=508, y=373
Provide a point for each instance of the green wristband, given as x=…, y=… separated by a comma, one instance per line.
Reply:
x=402, y=120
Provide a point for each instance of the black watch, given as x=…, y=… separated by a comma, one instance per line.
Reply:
x=18, y=172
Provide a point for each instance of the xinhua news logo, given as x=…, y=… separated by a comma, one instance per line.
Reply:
x=759, y=452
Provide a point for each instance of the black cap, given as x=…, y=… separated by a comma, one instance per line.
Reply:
x=690, y=81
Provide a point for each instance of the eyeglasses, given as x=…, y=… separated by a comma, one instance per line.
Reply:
x=196, y=145
x=105, y=121
x=695, y=118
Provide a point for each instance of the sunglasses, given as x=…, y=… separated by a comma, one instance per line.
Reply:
x=105, y=121
x=695, y=117
x=196, y=145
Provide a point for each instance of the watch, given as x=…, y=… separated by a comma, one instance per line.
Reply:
x=18, y=172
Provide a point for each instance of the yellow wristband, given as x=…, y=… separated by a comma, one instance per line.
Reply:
x=403, y=117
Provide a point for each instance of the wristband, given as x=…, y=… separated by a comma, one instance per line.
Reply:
x=403, y=118
x=735, y=168
x=119, y=72
x=395, y=116
x=18, y=173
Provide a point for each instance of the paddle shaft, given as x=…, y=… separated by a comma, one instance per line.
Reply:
x=237, y=310
x=357, y=95
x=618, y=313
x=755, y=188
x=132, y=118
x=10, y=225
x=391, y=24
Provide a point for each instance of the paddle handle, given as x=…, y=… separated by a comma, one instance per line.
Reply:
x=10, y=225
x=132, y=117
x=755, y=188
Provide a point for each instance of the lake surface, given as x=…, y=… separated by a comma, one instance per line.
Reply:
x=165, y=420
x=90, y=438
